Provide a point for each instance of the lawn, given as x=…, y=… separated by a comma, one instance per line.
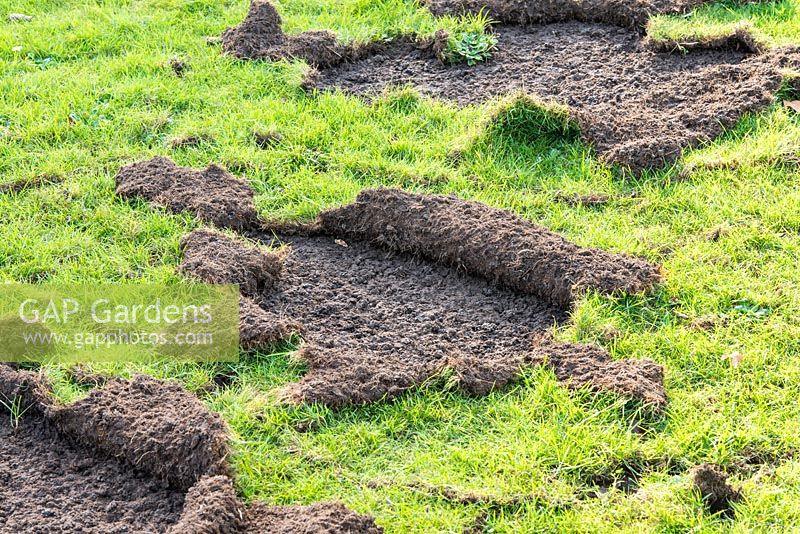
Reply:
x=87, y=86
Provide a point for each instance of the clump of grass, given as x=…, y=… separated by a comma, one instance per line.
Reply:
x=472, y=44
x=522, y=117
x=14, y=408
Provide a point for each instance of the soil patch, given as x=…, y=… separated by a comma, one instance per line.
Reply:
x=213, y=194
x=495, y=244
x=712, y=483
x=212, y=506
x=395, y=288
x=141, y=455
x=637, y=107
x=49, y=485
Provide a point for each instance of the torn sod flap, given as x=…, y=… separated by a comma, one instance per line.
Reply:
x=140, y=455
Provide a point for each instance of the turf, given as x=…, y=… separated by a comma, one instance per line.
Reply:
x=86, y=87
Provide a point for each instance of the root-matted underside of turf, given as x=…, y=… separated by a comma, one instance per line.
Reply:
x=132, y=456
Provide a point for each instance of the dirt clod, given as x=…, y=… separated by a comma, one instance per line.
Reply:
x=218, y=259
x=260, y=36
x=637, y=107
x=178, y=66
x=590, y=366
x=213, y=194
x=718, y=495
x=321, y=518
x=23, y=391
x=260, y=328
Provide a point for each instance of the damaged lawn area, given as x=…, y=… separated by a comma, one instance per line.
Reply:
x=88, y=88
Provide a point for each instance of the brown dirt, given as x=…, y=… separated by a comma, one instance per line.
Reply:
x=637, y=107
x=157, y=427
x=49, y=485
x=718, y=495
x=101, y=464
x=213, y=507
x=260, y=36
x=178, y=66
x=27, y=390
x=219, y=259
x=213, y=194
x=378, y=320
x=319, y=518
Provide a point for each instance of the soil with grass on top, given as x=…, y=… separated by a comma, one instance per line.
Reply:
x=118, y=461
x=712, y=484
x=637, y=107
x=626, y=13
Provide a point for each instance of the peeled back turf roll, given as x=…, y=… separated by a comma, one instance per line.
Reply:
x=495, y=244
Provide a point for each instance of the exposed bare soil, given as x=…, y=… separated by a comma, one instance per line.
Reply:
x=49, y=485
x=712, y=484
x=637, y=107
x=134, y=456
x=212, y=506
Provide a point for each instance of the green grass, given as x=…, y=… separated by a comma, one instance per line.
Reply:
x=91, y=89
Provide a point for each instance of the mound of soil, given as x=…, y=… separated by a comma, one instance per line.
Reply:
x=260, y=36
x=378, y=319
x=712, y=483
x=260, y=328
x=216, y=258
x=213, y=194
x=637, y=107
x=138, y=456
x=154, y=426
